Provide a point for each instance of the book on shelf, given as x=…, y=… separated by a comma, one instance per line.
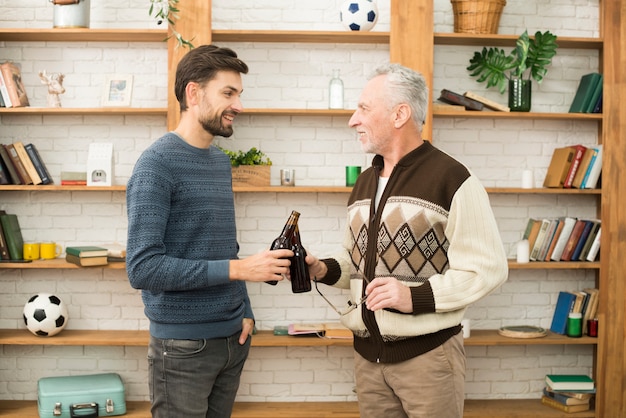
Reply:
x=596, y=96
x=115, y=251
x=87, y=261
x=555, y=238
x=4, y=249
x=4, y=92
x=451, y=97
x=589, y=241
x=8, y=163
x=86, y=251
x=590, y=181
x=27, y=162
x=541, y=236
x=569, y=382
x=17, y=163
x=549, y=238
x=553, y=403
x=573, y=240
x=73, y=178
x=39, y=164
x=533, y=232
x=563, y=307
x=12, y=76
x=12, y=235
x=579, y=302
x=578, y=248
x=5, y=177
x=564, y=399
x=559, y=167
x=584, y=92
x=446, y=107
x=571, y=173
x=582, y=395
x=583, y=167
x=328, y=330
x=594, y=250
x=592, y=307
x=487, y=102
x=568, y=225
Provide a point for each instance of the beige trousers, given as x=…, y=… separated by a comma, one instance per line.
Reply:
x=428, y=386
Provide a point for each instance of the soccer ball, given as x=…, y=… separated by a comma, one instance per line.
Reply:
x=45, y=315
x=359, y=15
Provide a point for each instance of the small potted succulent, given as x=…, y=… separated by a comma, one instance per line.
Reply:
x=529, y=59
x=251, y=168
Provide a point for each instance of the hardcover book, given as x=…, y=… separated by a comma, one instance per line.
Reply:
x=13, y=236
x=568, y=226
x=86, y=261
x=581, y=241
x=4, y=92
x=595, y=247
x=451, y=97
x=553, y=403
x=559, y=166
x=8, y=163
x=564, y=305
x=40, y=166
x=4, y=250
x=583, y=167
x=571, y=173
x=17, y=163
x=595, y=169
x=27, y=162
x=87, y=251
x=564, y=399
x=584, y=92
x=488, y=103
x=569, y=382
x=573, y=240
x=13, y=80
x=595, y=96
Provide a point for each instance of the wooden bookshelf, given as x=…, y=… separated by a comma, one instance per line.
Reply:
x=82, y=35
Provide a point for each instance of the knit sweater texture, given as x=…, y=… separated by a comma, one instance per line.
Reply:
x=181, y=236
x=435, y=232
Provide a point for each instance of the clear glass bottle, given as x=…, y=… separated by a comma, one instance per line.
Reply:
x=335, y=91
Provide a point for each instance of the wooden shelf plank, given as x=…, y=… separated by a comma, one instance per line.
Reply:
x=469, y=39
x=99, y=111
x=322, y=37
x=260, y=339
x=57, y=263
x=474, y=408
x=59, y=188
x=554, y=265
x=542, y=190
x=82, y=35
x=492, y=114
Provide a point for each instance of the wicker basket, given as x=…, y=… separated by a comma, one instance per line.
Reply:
x=477, y=16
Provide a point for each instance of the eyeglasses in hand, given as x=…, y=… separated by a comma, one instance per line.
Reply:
x=351, y=305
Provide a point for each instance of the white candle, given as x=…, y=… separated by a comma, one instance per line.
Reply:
x=528, y=180
x=523, y=252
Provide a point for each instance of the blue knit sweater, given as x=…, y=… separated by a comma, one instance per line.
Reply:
x=181, y=236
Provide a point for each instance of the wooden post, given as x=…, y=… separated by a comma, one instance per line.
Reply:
x=412, y=43
x=194, y=24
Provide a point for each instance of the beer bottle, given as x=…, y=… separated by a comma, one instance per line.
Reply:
x=284, y=239
x=299, y=270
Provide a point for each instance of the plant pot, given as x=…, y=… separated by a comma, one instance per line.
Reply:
x=520, y=95
x=251, y=175
x=71, y=13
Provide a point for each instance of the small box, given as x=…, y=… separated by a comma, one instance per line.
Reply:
x=100, y=164
x=87, y=395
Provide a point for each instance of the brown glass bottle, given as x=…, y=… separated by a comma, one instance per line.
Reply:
x=284, y=239
x=299, y=270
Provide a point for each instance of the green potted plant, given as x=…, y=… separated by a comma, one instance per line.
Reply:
x=167, y=10
x=250, y=168
x=529, y=59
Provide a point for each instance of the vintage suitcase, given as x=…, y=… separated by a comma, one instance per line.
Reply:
x=96, y=395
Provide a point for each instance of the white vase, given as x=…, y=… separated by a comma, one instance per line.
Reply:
x=358, y=15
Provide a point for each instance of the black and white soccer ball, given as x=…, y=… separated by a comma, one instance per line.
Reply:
x=45, y=315
x=358, y=15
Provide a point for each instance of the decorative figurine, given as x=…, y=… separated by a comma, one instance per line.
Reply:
x=55, y=87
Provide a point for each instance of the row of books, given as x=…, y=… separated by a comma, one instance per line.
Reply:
x=575, y=166
x=563, y=239
x=584, y=302
x=21, y=164
x=12, y=91
x=588, y=97
x=568, y=392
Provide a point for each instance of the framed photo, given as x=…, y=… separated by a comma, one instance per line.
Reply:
x=117, y=90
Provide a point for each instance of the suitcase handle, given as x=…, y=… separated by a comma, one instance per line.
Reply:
x=81, y=406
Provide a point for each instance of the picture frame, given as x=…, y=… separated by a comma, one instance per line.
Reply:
x=117, y=90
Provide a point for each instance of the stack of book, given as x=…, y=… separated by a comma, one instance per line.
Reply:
x=86, y=255
x=574, y=166
x=568, y=393
x=21, y=164
x=563, y=239
x=584, y=302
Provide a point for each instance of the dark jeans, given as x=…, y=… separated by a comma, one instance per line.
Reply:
x=195, y=378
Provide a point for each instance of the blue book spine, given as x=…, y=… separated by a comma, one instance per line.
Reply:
x=581, y=242
x=563, y=307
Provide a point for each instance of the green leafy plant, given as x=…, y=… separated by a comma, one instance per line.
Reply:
x=529, y=59
x=166, y=10
x=252, y=157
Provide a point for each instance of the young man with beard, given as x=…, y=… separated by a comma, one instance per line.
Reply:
x=421, y=245
x=182, y=247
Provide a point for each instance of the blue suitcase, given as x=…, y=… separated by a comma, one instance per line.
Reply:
x=97, y=395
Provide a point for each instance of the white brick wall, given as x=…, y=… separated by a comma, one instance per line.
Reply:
x=319, y=148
